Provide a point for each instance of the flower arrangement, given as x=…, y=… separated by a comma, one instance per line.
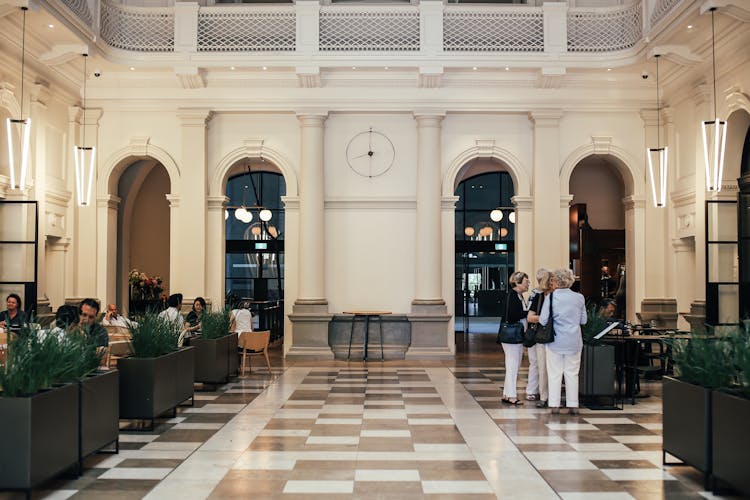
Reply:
x=144, y=287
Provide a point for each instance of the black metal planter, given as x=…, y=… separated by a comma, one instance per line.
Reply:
x=152, y=386
x=597, y=374
x=38, y=436
x=215, y=359
x=687, y=423
x=100, y=411
x=731, y=440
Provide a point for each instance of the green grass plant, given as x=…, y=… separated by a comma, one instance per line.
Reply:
x=215, y=324
x=594, y=325
x=153, y=336
x=704, y=360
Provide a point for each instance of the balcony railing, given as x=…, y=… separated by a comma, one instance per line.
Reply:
x=428, y=29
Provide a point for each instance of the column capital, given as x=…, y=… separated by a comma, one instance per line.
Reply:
x=633, y=202
x=194, y=117
x=566, y=200
x=649, y=116
x=58, y=244
x=217, y=202
x=523, y=202
x=312, y=118
x=683, y=244
x=4, y=185
x=290, y=202
x=173, y=199
x=108, y=201
x=428, y=118
x=449, y=202
x=546, y=118
x=40, y=93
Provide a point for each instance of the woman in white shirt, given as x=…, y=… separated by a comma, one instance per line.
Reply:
x=241, y=320
x=564, y=353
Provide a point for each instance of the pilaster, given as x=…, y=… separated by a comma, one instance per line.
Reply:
x=107, y=208
x=215, y=241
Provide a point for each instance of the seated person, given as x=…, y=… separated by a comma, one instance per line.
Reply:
x=194, y=316
x=607, y=308
x=13, y=317
x=113, y=318
x=65, y=318
x=172, y=313
x=241, y=319
x=88, y=310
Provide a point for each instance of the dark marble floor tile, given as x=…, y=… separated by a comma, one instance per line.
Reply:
x=186, y=435
x=150, y=462
x=545, y=447
x=644, y=446
x=580, y=481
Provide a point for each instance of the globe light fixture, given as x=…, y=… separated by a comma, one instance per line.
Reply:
x=496, y=215
x=512, y=217
x=265, y=215
x=469, y=231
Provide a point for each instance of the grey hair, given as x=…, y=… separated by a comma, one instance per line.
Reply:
x=541, y=273
x=564, y=277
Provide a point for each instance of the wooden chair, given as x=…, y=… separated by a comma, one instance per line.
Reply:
x=3, y=346
x=120, y=345
x=253, y=344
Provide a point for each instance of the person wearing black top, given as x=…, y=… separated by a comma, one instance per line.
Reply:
x=195, y=315
x=13, y=317
x=88, y=310
x=538, y=353
x=517, y=307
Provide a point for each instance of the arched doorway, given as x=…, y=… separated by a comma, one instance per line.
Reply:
x=255, y=230
x=484, y=244
x=743, y=207
x=143, y=225
x=597, y=230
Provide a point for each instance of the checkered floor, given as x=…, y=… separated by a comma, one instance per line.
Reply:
x=385, y=431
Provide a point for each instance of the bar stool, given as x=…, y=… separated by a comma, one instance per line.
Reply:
x=366, y=315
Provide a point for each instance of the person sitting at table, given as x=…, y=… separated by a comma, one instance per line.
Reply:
x=172, y=313
x=66, y=317
x=241, y=319
x=607, y=308
x=113, y=317
x=195, y=315
x=88, y=310
x=13, y=317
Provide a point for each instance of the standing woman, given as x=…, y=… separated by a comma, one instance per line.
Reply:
x=516, y=307
x=564, y=353
x=538, y=352
x=13, y=317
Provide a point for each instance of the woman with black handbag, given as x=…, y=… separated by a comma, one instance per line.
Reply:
x=537, y=352
x=511, y=334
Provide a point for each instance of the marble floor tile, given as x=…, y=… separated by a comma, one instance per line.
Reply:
x=332, y=440
x=136, y=473
x=458, y=487
x=319, y=487
x=638, y=475
x=386, y=475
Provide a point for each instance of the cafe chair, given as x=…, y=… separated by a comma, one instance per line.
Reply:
x=120, y=345
x=253, y=344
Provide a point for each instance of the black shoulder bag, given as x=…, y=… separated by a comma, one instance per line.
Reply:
x=509, y=333
x=546, y=334
x=529, y=336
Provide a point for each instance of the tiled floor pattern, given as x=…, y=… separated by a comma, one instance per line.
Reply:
x=597, y=454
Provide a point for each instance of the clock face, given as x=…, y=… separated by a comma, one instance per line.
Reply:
x=370, y=153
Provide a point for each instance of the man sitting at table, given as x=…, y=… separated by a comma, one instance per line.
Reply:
x=113, y=318
x=88, y=311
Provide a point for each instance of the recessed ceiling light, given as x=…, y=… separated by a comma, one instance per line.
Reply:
x=265, y=68
x=231, y=67
x=132, y=68
x=507, y=68
x=690, y=26
x=50, y=26
x=609, y=69
x=354, y=67
x=474, y=68
x=386, y=67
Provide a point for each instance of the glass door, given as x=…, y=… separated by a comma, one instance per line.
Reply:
x=481, y=285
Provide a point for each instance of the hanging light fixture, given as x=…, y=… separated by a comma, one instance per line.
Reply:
x=85, y=156
x=496, y=215
x=658, y=157
x=714, y=132
x=19, y=128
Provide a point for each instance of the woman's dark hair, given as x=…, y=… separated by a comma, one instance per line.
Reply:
x=18, y=300
x=202, y=302
x=174, y=300
x=66, y=316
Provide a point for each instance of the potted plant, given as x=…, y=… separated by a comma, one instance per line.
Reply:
x=701, y=365
x=39, y=407
x=159, y=375
x=597, y=374
x=215, y=349
x=730, y=413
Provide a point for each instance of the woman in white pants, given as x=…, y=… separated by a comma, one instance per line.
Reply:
x=517, y=311
x=538, y=353
x=564, y=353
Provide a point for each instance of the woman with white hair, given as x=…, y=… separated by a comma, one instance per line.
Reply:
x=564, y=352
x=537, y=386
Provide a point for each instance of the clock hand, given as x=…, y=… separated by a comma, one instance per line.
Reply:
x=369, y=153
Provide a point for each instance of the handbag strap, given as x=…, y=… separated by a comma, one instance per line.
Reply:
x=550, y=305
x=507, y=303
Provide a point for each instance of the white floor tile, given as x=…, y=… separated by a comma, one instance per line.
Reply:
x=333, y=440
x=136, y=473
x=431, y=421
x=598, y=495
x=199, y=426
x=170, y=446
x=638, y=439
x=614, y=447
x=450, y=487
x=385, y=433
x=285, y=432
x=386, y=475
x=137, y=438
x=338, y=421
x=57, y=494
x=638, y=475
x=570, y=426
x=319, y=487
x=605, y=420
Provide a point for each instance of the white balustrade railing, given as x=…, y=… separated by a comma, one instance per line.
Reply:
x=493, y=29
x=347, y=28
x=372, y=28
x=233, y=29
x=140, y=29
x=661, y=9
x=604, y=30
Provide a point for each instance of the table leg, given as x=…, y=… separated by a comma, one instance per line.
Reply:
x=367, y=331
x=351, y=334
x=380, y=322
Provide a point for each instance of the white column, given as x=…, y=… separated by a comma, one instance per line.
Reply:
x=427, y=262
x=565, y=201
x=635, y=254
x=546, y=243
x=524, y=235
x=312, y=227
x=107, y=207
x=56, y=249
x=215, y=246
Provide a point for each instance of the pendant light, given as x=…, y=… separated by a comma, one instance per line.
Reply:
x=19, y=128
x=84, y=156
x=714, y=133
x=658, y=157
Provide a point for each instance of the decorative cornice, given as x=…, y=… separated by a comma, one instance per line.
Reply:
x=566, y=200
x=57, y=196
x=602, y=144
x=58, y=244
x=425, y=118
x=191, y=77
x=683, y=197
x=194, y=117
x=308, y=77
x=290, y=202
x=631, y=202
x=431, y=77
x=40, y=93
x=449, y=202
x=109, y=201
x=61, y=53
x=312, y=118
x=370, y=204
x=683, y=244
x=173, y=199
x=546, y=118
x=523, y=202
x=217, y=202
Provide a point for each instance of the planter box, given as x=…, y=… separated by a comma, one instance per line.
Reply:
x=151, y=386
x=215, y=358
x=39, y=436
x=597, y=374
x=687, y=423
x=731, y=440
x=100, y=412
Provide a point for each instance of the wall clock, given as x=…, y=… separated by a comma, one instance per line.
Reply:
x=370, y=153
